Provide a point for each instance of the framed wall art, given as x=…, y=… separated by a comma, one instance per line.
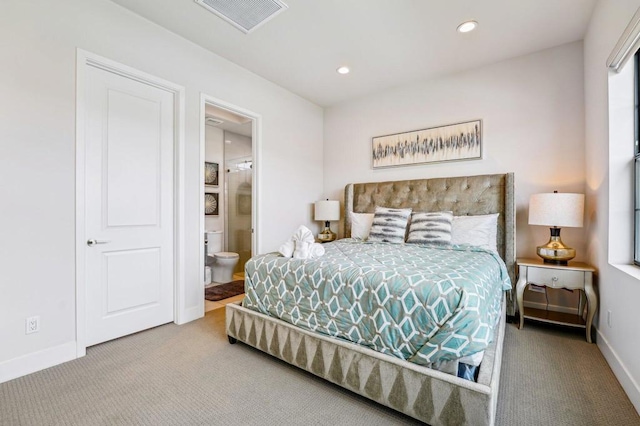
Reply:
x=211, y=204
x=210, y=173
x=452, y=142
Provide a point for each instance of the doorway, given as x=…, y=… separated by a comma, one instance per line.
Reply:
x=230, y=139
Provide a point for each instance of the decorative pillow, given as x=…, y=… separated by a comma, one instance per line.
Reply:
x=430, y=228
x=360, y=224
x=389, y=225
x=481, y=231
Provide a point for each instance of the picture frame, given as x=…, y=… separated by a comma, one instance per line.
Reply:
x=451, y=142
x=211, y=173
x=211, y=204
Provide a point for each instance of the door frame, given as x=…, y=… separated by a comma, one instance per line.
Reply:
x=256, y=150
x=86, y=59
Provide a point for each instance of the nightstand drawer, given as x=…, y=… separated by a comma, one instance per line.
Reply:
x=556, y=278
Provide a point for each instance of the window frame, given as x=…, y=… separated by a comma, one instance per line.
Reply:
x=636, y=160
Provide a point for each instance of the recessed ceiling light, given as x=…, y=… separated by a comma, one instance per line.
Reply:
x=343, y=70
x=467, y=26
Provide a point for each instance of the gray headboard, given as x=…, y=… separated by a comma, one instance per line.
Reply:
x=464, y=195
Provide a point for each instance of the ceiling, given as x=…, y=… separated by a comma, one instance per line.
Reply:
x=386, y=43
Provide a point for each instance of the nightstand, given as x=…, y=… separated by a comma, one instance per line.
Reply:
x=575, y=276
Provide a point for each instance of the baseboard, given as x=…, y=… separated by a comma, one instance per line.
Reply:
x=36, y=361
x=627, y=382
x=555, y=308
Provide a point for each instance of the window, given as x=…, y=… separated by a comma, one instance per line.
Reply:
x=636, y=167
x=623, y=202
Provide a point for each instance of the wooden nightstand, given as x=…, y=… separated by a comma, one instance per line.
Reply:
x=575, y=276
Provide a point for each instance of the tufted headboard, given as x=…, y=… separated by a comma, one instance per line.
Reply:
x=464, y=195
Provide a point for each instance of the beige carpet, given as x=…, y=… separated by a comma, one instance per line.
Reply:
x=190, y=374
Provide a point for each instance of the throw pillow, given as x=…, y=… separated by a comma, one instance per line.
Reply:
x=389, y=225
x=430, y=228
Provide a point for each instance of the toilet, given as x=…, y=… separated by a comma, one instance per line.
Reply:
x=224, y=262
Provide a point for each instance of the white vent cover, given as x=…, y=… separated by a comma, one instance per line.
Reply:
x=246, y=15
x=213, y=121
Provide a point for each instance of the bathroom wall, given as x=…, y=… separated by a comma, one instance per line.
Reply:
x=214, y=153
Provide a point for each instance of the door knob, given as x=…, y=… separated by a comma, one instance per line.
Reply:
x=93, y=242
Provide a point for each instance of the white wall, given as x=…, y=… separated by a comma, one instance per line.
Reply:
x=37, y=106
x=533, y=120
x=236, y=146
x=619, y=290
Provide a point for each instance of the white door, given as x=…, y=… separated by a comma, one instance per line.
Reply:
x=129, y=261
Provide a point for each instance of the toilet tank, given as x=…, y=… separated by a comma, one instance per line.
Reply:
x=215, y=242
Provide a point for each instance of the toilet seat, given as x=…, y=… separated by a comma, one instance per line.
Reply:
x=226, y=255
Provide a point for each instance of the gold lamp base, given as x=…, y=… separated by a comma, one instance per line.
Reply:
x=326, y=235
x=555, y=252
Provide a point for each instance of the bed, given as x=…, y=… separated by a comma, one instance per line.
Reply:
x=429, y=395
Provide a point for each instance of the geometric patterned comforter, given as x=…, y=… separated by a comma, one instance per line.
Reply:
x=423, y=304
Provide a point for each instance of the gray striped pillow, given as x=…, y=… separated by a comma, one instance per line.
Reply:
x=430, y=228
x=389, y=225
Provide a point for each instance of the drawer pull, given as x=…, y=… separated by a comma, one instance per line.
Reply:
x=554, y=279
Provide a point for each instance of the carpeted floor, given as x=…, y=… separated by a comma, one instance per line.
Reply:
x=224, y=291
x=190, y=374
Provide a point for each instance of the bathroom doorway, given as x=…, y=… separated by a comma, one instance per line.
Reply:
x=229, y=141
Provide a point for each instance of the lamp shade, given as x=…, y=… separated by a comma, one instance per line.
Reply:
x=556, y=209
x=327, y=210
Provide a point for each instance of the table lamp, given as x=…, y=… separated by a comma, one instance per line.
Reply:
x=556, y=210
x=327, y=210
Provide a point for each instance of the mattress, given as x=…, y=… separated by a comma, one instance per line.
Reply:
x=428, y=305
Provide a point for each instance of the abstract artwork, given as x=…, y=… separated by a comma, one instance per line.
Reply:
x=453, y=142
x=211, y=204
x=211, y=173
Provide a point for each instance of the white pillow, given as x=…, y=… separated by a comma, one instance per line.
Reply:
x=360, y=224
x=481, y=231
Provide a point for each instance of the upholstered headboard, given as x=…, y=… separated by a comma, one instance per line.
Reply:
x=464, y=195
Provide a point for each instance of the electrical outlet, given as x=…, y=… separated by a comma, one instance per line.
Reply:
x=609, y=318
x=32, y=325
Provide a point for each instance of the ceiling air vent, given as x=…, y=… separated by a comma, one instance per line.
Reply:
x=211, y=121
x=246, y=15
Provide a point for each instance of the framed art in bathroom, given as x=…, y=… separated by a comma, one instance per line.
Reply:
x=210, y=174
x=211, y=204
